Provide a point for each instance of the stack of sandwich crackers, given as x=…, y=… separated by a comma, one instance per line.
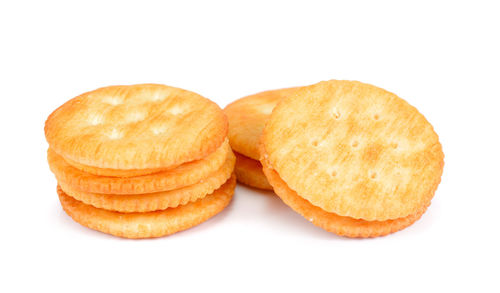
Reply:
x=141, y=161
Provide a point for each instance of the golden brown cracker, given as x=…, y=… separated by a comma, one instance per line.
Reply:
x=331, y=222
x=129, y=203
x=249, y=171
x=355, y=150
x=150, y=224
x=144, y=126
x=115, y=172
x=247, y=117
x=183, y=175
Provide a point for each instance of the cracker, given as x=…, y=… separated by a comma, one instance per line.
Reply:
x=247, y=117
x=115, y=172
x=355, y=150
x=128, y=203
x=331, y=222
x=249, y=172
x=184, y=175
x=151, y=224
x=143, y=126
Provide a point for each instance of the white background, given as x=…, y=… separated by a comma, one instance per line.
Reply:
x=442, y=57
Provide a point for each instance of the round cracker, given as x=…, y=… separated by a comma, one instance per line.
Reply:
x=115, y=172
x=331, y=222
x=129, y=203
x=184, y=175
x=355, y=150
x=150, y=224
x=249, y=172
x=136, y=127
x=247, y=117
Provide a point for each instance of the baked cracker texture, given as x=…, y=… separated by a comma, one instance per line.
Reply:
x=144, y=126
x=128, y=203
x=249, y=172
x=247, y=117
x=354, y=150
x=331, y=222
x=181, y=176
x=115, y=172
x=150, y=224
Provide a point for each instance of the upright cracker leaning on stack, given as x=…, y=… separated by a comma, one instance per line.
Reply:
x=352, y=158
x=140, y=161
x=247, y=117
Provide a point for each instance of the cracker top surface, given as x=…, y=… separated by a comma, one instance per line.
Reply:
x=355, y=150
x=247, y=117
x=135, y=127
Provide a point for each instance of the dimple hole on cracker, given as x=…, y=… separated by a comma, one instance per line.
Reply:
x=135, y=117
x=95, y=119
x=373, y=175
x=355, y=144
x=176, y=110
x=157, y=130
x=336, y=113
x=115, y=134
x=376, y=117
x=113, y=101
x=158, y=97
